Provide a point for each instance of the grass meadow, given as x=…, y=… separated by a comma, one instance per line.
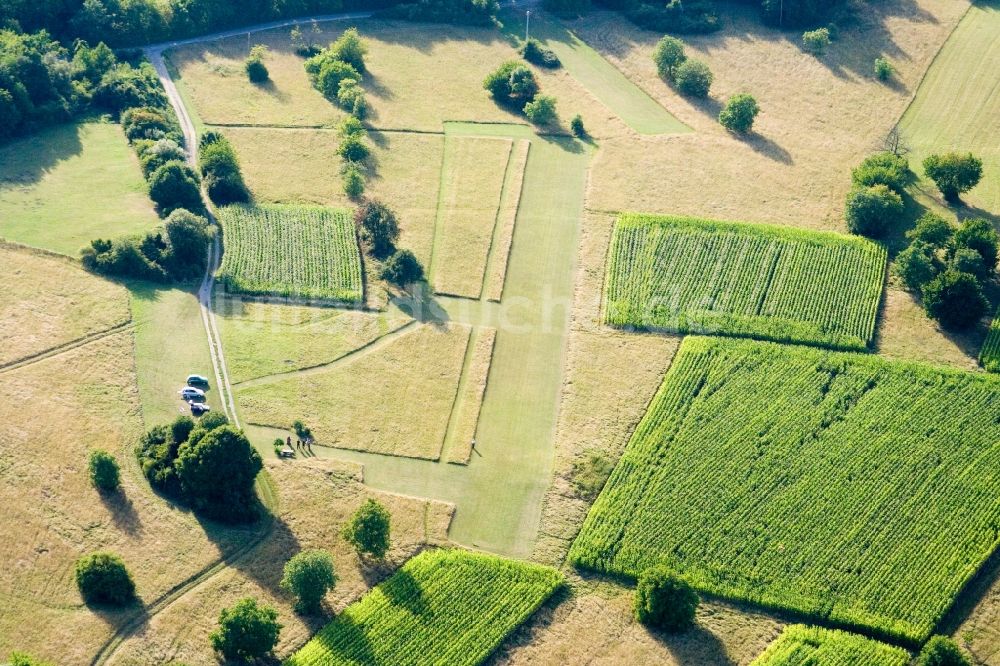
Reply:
x=48, y=183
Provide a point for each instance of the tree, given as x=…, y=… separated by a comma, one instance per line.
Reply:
x=351, y=98
x=541, y=110
x=954, y=173
x=664, y=601
x=739, y=113
x=883, y=69
x=967, y=260
x=353, y=180
x=246, y=631
x=103, y=579
x=354, y=148
x=351, y=126
x=536, y=54
x=154, y=154
x=511, y=82
x=895, y=142
x=402, y=269
x=368, y=530
x=955, y=299
x=816, y=41
x=916, y=265
x=931, y=229
x=693, y=78
x=309, y=575
x=883, y=168
x=668, y=55
x=330, y=74
x=216, y=471
x=188, y=236
x=523, y=85
x=350, y=48
x=174, y=185
x=941, y=651
x=576, y=126
x=978, y=234
x=378, y=226
x=872, y=211
x=254, y=65
x=104, y=473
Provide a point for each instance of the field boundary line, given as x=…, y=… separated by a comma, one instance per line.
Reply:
x=508, y=199
x=449, y=431
x=82, y=341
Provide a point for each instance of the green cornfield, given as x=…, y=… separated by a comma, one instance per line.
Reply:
x=989, y=356
x=799, y=645
x=297, y=251
x=447, y=607
x=842, y=486
x=746, y=280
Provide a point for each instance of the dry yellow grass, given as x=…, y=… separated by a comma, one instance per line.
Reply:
x=301, y=166
x=316, y=498
x=394, y=397
x=263, y=339
x=472, y=182
x=465, y=416
x=47, y=301
x=819, y=116
x=504, y=233
x=598, y=628
x=82, y=399
x=418, y=76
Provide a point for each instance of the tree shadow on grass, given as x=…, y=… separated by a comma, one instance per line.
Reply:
x=768, y=148
x=694, y=647
x=531, y=630
x=123, y=513
x=26, y=161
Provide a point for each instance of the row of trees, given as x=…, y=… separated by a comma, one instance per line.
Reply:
x=378, y=229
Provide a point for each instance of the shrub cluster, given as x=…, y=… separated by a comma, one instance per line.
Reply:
x=220, y=170
x=354, y=152
x=254, y=65
x=883, y=168
x=176, y=252
x=692, y=78
x=948, y=266
x=816, y=41
x=211, y=466
x=536, y=54
x=337, y=70
x=513, y=84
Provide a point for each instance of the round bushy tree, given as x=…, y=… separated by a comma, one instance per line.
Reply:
x=254, y=65
x=883, y=69
x=872, y=211
x=331, y=73
x=541, y=110
x=668, y=55
x=523, y=85
x=103, y=579
x=354, y=148
x=664, y=601
x=931, y=229
x=353, y=181
x=739, y=113
x=954, y=173
x=309, y=575
x=916, y=265
x=693, y=78
x=955, y=299
x=369, y=529
x=978, y=234
x=188, y=236
x=816, y=41
x=350, y=48
x=246, y=631
x=104, y=473
x=512, y=82
x=174, y=185
x=217, y=470
x=378, y=227
x=882, y=168
x=941, y=651
x=402, y=269
x=967, y=260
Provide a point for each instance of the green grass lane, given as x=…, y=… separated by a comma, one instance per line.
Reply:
x=64, y=186
x=957, y=106
x=616, y=91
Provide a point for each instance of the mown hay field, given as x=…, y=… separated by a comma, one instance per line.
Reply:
x=800, y=645
x=302, y=251
x=686, y=275
x=841, y=486
x=442, y=607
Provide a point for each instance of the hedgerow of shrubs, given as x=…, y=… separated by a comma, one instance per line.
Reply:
x=220, y=170
x=948, y=267
x=354, y=151
x=210, y=466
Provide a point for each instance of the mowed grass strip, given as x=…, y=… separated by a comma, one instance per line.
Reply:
x=283, y=250
x=799, y=645
x=472, y=182
x=442, y=607
x=496, y=268
x=699, y=276
x=469, y=401
x=842, y=486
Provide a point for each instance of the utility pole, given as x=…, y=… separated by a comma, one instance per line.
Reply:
x=527, y=22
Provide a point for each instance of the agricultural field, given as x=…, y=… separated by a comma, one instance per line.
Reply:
x=444, y=606
x=686, y=275
x=48, y=302
x=799, y=645
x=48, y=181
x=299, y=251
x=885, y=467
x=393, y=397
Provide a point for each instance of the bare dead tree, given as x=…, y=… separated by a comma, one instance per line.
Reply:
x=896, y=143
